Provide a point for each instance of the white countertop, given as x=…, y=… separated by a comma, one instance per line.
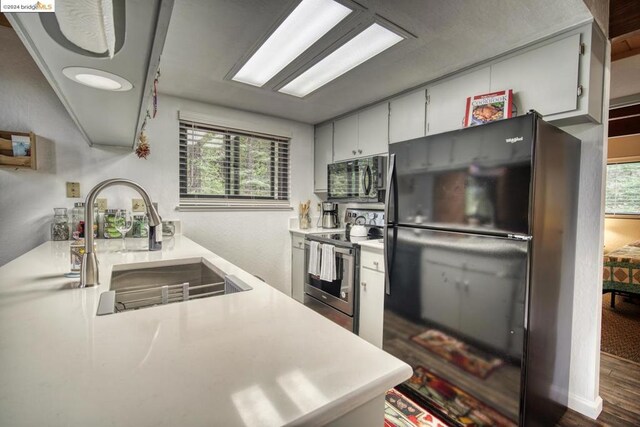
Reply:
x=254, y=358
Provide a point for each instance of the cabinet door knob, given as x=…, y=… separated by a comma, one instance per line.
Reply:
x=359, y=151
x=300, y=244
x=353, y=151
x=376, y=263
x=364, y=285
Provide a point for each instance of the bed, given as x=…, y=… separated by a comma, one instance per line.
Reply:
x=621, y=273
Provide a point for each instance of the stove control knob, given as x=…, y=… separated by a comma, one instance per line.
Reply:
x=343, y=294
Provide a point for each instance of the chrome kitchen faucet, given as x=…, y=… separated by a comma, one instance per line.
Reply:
x=89, y=270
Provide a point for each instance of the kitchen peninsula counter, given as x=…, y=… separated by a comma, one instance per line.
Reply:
x=254, y=358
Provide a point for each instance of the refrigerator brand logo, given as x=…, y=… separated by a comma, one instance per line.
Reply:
x=515, y=139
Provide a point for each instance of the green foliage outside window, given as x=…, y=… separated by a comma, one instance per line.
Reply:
x=623, y=189
x=225, y=164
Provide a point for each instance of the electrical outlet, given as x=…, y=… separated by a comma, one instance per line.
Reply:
x=102, y=204
x=73, y=189
x=137, y=205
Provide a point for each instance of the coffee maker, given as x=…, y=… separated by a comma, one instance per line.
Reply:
x=330, y=215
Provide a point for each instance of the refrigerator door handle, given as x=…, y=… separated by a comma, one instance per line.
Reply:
x=390, y=189
x=387, y=246
x=389, y=252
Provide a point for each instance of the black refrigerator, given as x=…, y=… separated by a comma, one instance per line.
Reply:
x=480, y=258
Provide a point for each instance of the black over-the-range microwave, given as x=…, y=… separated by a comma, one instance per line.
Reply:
x=358, y=180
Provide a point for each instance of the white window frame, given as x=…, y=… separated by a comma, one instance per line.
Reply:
x=233, y=204
x=615, y=161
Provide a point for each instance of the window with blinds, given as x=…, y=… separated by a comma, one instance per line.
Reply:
x=220, y=163
x=623, y=189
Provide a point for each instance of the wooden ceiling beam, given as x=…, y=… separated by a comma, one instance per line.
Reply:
x=624, y=112
x=624, y=17
x=624, y=120
x=622, y=127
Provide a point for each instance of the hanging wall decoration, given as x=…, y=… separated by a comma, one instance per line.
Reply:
x=143, y=149
x=155, y=94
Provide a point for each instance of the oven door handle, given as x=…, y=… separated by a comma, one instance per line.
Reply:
x=338, y=250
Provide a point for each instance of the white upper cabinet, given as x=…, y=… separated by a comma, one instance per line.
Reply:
x=373, y=130
x=323, y=155
x=407, y=116
x=362, y=134
x=544, y=79
x=345, y=138
x=447, y=100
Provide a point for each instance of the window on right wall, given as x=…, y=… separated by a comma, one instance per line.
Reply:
x=623, y=189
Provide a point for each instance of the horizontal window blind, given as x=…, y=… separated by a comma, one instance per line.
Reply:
x=623, y=189
x=222, y=163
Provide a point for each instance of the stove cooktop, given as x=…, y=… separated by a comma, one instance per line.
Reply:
x=341, y=239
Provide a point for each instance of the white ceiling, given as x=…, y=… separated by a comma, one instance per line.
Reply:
x=207, y=38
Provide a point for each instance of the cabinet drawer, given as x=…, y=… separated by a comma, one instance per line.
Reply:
x=297, y=241
x=372, y=260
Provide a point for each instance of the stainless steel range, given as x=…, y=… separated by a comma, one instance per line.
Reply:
x=338, y=299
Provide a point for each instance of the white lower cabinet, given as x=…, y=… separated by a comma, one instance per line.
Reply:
x=297, y=267
x=371, y=313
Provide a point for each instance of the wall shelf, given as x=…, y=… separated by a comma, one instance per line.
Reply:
x=7, y=159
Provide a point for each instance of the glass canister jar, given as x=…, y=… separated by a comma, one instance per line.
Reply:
x=110, y=230
x=77, y=220
x=95, y=220
x=140, y=226
x=60, y=225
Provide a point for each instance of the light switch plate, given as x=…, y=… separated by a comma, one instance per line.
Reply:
x=137, y=205
x=102, y=204
x=73, y=189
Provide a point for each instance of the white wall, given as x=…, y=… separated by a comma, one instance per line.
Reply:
x=256, y=241
x=584, y=395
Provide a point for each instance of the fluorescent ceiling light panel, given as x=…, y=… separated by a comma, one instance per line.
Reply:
x=309, y=21
x=372, y=41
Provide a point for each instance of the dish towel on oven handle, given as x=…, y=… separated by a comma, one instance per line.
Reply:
x=328, y=263
x=314, y=258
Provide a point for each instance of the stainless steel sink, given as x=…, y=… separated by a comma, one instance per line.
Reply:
x=135, y=286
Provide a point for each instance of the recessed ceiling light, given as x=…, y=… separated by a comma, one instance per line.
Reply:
x=372, y=41
x=309, y=21
x=97, y=79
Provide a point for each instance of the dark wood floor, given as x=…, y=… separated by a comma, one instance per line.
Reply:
x=619, y=380
x=499, y=391
x=620, y=391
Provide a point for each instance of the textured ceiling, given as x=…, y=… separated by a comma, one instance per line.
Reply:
x=208, y=37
